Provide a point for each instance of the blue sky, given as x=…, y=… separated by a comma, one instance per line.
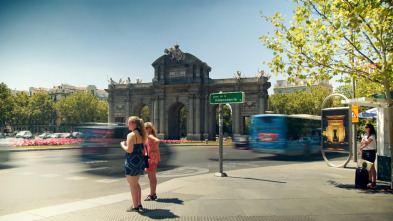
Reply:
x=44, y=43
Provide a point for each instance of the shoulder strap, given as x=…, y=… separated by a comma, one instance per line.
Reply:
x=136, y=136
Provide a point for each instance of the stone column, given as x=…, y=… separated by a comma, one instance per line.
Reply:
x=206, y=118
x=197, y=119
x=236, y=120
x=128, y=103
x=162, y=121
x=190, y=118
x=262, y=103
x=111, y=108
x=155, y=113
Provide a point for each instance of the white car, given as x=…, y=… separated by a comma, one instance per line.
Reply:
x=45, y=135
x=26, y=134
x=56, y=135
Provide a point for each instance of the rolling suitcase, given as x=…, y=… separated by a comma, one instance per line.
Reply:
x=361, y=177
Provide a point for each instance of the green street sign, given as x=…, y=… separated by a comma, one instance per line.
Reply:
x=224, y=98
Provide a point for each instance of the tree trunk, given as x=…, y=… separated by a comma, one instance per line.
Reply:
x=390, y=114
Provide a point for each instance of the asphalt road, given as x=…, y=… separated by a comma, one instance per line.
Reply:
x=35, y=179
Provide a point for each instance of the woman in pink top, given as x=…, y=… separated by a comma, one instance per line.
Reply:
x=154, y=153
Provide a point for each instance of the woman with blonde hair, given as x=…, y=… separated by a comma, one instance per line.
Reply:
x=134, y=164
x=154, y=153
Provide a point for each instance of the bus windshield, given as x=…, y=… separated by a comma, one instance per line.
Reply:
x=285, y=134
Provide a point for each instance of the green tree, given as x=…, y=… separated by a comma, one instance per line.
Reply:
x=307, y=102
x=183, y=122
x=247, y=125
x=277, y=103
x=366, y=88
x=81, y=107
x=20, y=114
x=335, y=37
x=6, y=104
x=345, y=90
x=102, y=112
x=145, y=114
x=41, y=109
x=227, y=119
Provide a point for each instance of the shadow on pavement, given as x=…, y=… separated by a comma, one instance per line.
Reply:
x=158, y=214
x=243, y=160
x=315, y=157
x=170, y=200
x=3, y=167
x=381, y=188
x=248, y=178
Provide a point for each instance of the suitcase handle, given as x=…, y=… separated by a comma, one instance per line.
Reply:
x=359, y=158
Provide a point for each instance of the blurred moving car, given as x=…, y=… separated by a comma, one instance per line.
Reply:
x=102, y=152
x=77, y=134
x=2, y=135
x=45, y=135
x=67, y=135
x=26, y=134
x=56, y=135
x=241, y=142
x=97, y=139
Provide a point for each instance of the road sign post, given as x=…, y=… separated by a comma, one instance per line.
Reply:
x=224, y=98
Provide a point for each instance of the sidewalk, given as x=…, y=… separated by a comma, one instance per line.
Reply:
x=306, y=191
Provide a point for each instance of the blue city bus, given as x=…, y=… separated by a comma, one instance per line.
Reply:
x=285, y=134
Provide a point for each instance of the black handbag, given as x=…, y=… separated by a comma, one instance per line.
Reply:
x=146, y=156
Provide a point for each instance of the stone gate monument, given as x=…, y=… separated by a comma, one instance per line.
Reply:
x=181, y=79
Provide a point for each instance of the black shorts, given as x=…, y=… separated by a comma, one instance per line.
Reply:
x=368, y=155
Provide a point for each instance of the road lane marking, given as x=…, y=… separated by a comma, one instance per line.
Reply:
x=106, y=181
x=76, y=178
x=97, y=161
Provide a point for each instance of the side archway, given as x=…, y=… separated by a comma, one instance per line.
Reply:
x=142, y=111
x=176, y=122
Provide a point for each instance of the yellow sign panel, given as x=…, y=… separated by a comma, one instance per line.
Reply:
x=355, y=114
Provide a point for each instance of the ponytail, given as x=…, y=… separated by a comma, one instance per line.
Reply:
x=140, y=126
x=142, y=130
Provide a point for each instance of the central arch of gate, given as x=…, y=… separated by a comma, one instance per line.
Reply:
x=181, y=80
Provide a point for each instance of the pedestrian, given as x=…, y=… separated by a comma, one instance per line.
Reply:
x=134, y=161
x=368, y=148
x=154, y=154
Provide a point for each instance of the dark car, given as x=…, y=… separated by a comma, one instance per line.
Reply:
x=100, y=148
x=241, y=142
